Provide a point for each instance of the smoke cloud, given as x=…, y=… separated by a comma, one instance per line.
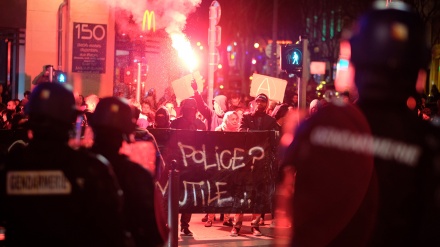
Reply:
x=170, y=15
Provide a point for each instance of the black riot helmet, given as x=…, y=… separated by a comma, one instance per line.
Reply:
x=388, y=49
x=52, y=102
x=114, y=114
x=391, y=37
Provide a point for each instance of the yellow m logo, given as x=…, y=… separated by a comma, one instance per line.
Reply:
x=150, y=19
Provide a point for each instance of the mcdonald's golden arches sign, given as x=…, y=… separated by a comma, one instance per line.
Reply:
x=149, y=21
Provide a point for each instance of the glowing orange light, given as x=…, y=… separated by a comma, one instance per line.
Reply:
x=251, y=77
x=256, y=45
x=221, y=86
x=184, y=49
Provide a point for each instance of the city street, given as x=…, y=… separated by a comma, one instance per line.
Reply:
x=219, y=235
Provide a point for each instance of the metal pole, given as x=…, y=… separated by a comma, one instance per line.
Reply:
x=302, y=84
x=50, y=73
x=173, y=205
x=214, y=17
x=60, y=35
x=273, y=68
x=138, y=85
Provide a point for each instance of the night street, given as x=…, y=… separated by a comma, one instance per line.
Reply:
x=219, y=235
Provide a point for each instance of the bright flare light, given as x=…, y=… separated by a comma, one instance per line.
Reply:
x=185, y=51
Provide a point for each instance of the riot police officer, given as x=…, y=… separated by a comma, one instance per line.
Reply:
x=112, y=123
x=368, y=175
x=390, y=55
x=52, y=195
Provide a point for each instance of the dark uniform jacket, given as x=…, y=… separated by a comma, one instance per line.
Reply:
x=138, y=186
x=52, y=195
x=333, y=200
x=407, y=165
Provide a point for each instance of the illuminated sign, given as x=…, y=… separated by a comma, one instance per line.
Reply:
x=150, y=20
x=292, y=57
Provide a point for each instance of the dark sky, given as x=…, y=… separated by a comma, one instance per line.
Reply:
x=258, y=19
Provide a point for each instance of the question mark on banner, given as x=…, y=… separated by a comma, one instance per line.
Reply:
x=251, y=152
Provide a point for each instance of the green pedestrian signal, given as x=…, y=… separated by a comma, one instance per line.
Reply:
x=292, y=58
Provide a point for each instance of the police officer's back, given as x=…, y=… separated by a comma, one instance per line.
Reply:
x=390, y=56
x=367, y=175
x=112, y=122
x=52, y=195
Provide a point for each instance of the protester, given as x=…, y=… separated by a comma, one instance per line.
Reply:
x=213, y=116
x=6, y=119
x=26, y=96
x=45, y=76
x=315, y=105
x=231, y=122
x=161, y=118
x=294, y=101
x=235, y=102
x=146, y=117
x=12, y=105
x=187, y=121
x=254, y=121
x=259, y=119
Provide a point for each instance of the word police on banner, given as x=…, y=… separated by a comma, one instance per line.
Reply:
x=271, y=86
x=218, y=175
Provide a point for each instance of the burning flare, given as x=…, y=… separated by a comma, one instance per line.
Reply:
x=184, y=49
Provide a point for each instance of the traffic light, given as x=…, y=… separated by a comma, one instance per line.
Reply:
x=60, y=76
x=292, y=58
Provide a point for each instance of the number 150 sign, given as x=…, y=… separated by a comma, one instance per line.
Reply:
x=89, y=47
x=86, y=31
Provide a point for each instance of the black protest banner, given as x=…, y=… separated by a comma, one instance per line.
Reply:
x=228, y=172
